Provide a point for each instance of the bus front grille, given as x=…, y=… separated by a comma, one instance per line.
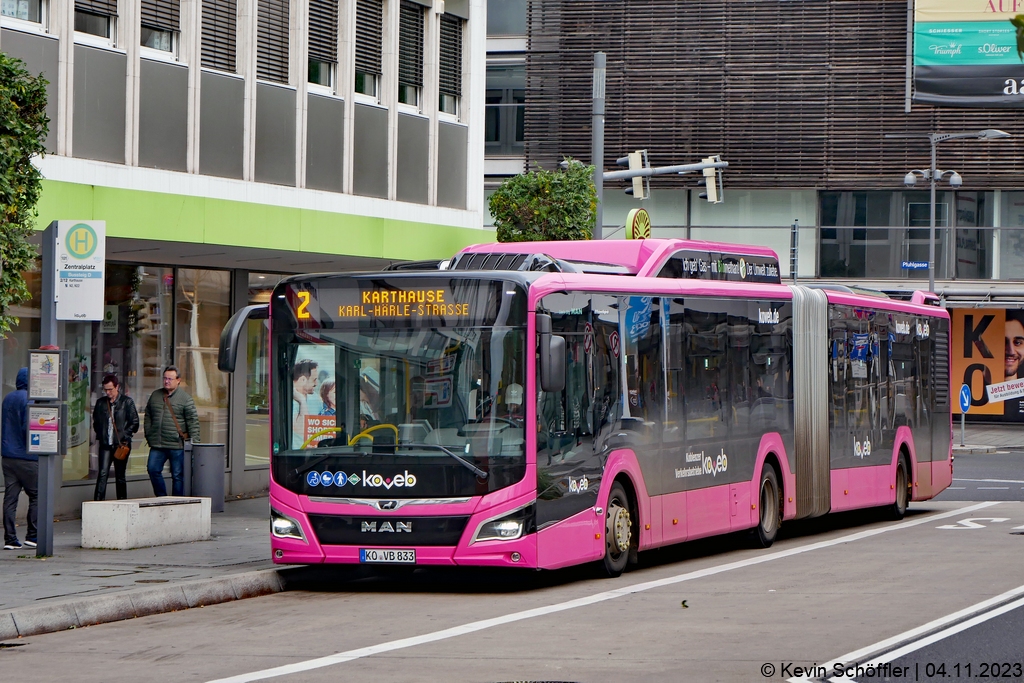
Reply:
x=389, y=531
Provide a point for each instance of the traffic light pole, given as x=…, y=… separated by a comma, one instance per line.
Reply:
x=597, y=143
x=663, y=170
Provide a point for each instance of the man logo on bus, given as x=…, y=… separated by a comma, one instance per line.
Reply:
x=716, y=465
x=862, y=449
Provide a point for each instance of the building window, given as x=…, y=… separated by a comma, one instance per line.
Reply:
x=272, y=41
x=369, y=27
x=257, y=381
x=506, y=104
x=410, y=53
x=218, y=37
x=506, y=18
x=450, y=85
x=321, y=73
x=160, y=24
x=26, y=10
x=323, y=41
x=93, y=24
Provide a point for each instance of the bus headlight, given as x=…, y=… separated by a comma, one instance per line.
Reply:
x=507, y=527
x=283, y=526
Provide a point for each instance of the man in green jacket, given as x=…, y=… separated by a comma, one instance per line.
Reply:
x=171, y=418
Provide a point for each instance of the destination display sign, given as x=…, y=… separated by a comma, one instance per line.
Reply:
x=698, y=265
x=414, y=302
x=402, y=302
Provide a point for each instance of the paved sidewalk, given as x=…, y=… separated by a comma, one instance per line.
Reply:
x=80, y=586
x=987, y=438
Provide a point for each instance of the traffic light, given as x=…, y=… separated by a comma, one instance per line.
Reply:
x=637, y=161
x=712, y=181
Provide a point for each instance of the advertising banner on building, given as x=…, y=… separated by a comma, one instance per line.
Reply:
x=987, y=350
x=965, y=53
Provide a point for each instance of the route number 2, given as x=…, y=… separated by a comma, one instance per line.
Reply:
x=302, y=313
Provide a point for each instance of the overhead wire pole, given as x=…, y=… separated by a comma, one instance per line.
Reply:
x=597, y=143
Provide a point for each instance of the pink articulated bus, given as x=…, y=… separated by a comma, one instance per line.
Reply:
x=546, y=404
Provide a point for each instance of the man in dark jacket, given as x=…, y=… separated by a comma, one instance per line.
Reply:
x=171, y=418
x=21, y=469
x=113, y=433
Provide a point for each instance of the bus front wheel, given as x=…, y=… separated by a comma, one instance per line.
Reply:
x=618, y=531
x=770, y=502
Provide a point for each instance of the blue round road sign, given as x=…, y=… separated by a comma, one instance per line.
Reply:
x=965, y=398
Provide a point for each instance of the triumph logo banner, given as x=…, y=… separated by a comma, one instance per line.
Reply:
x=965, y=53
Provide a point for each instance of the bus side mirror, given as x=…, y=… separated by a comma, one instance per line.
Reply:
x=551, y=349
x=232, y=333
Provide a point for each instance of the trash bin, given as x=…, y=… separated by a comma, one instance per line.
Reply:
x=208, y=461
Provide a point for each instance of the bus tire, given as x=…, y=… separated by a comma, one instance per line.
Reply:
x=619, y=531
x=899, y=506
x=769, y=517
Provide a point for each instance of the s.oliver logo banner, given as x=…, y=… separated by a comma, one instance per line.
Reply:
x=965, y=53
x=987, y=349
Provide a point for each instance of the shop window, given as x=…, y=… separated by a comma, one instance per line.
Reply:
x=257, y=378
x=134, y=343
x=202, y=308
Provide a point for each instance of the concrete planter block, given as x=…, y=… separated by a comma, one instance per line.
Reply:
x=143, y=522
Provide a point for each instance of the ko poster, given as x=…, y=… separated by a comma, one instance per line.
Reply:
x=987, y=348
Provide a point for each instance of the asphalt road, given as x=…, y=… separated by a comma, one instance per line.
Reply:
x=987, y=476
x=942, y=589
x=702, y=611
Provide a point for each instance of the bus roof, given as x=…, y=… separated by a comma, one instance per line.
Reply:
x=637, y=257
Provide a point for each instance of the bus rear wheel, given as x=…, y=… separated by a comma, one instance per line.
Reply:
x=618, y=534
x=899, y=507
x=770, y=502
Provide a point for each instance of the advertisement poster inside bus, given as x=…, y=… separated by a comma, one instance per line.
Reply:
x=965, y=53
x=314, y=396
x=987, y=349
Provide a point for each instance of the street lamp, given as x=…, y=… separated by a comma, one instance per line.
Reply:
x=932, y=175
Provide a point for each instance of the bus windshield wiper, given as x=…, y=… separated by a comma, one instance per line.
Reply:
x=462, y=461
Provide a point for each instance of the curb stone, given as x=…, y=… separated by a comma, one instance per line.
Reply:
x=102, y=609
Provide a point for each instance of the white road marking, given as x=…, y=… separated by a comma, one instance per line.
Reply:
x=857, y=656
x=993, y=488
x=992, y=481
x=472, y=627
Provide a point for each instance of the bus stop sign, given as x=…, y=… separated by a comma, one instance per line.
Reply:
x=965, y=398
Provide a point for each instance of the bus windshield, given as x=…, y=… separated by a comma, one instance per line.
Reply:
x=398, y=387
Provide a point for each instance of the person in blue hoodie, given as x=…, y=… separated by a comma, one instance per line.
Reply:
x=21, y=469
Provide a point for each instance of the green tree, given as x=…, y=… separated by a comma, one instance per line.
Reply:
x=1018, y=25
x=23, y=127
x=546, y=205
